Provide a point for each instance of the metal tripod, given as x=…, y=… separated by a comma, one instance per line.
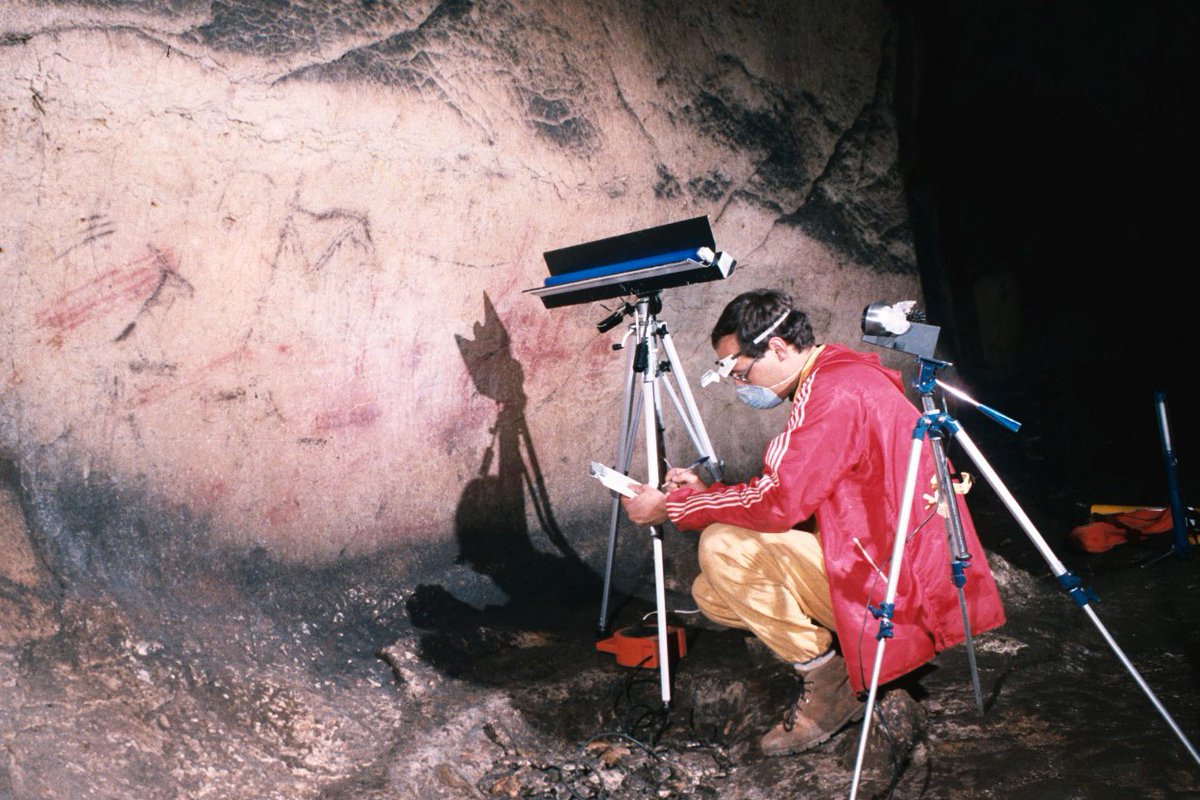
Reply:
x=943, y=424
x=646, y=374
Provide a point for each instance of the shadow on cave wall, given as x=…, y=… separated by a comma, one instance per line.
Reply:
x=544, y=589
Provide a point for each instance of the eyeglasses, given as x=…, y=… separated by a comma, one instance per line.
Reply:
x=744, y=375
x=724, y=369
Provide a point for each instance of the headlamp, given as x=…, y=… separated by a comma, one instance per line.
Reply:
x=724, y=366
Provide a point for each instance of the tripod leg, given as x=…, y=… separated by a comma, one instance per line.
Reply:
x=1180, y=547
x=629, y=411
x=687, y=423
x=960, y=559
x=884, y=612
x=652, y=422
x=691, y=419
x=1067, y=580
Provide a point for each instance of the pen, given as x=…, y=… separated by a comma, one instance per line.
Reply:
x=669, y=485
x=691, y=466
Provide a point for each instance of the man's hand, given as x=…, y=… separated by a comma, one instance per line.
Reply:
x=648, y=508
x=680, y=478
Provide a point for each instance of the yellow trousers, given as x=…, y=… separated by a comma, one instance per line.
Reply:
x=772, y=584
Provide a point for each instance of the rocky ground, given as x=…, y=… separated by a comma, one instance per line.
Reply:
x=218, y=693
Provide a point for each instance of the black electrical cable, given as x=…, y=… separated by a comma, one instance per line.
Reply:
x=642, y=719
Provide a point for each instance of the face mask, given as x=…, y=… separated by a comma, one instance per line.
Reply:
x=764, y=397
x=758, y=396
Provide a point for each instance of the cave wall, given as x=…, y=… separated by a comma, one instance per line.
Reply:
x=262, y=271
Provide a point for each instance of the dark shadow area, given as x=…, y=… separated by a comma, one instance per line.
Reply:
x=151, y=565
x=546, y=590
x=1043, y=147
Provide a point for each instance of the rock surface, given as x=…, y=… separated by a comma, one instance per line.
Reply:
x=266, y=269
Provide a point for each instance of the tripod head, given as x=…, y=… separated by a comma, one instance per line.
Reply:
x=627, y=309
x=901, y=328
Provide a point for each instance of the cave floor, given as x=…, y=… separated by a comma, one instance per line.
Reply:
x=516, y=702
x=1062, y=716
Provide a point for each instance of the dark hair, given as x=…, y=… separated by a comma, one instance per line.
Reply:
x=751, y=313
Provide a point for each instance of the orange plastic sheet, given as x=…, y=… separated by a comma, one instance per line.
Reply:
x=1114, y=525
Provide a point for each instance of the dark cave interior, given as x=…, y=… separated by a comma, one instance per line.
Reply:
x=1048, y=147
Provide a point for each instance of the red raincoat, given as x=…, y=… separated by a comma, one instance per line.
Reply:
x=843, y=458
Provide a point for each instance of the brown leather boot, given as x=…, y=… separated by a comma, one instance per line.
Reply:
x=826, y=704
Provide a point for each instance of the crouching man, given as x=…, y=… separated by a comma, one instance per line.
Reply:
x=840, y=462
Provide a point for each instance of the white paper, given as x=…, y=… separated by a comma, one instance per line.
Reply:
x=613, y=479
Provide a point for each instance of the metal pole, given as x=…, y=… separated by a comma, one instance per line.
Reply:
x=956, y=542
x=1178, y=520
x=652, y=423
x=701, y=441
x=884, y=611
x=624, y=449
